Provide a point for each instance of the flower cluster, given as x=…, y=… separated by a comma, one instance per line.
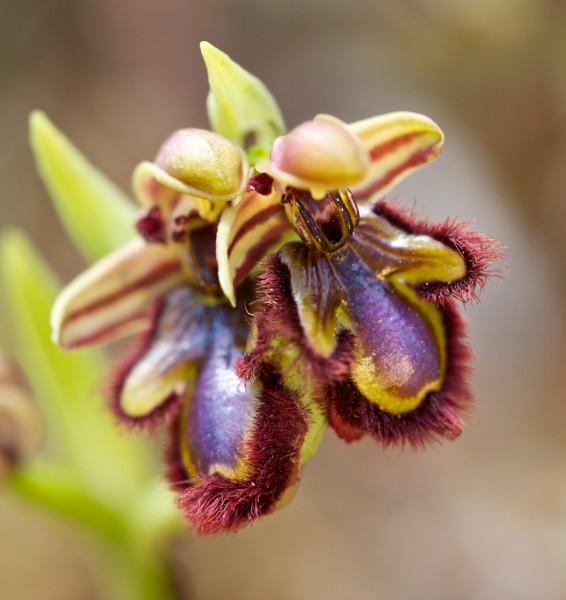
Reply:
x=278, y=295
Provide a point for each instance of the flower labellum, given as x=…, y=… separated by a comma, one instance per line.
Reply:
x=275, y=293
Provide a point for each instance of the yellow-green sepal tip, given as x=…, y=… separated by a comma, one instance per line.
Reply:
x=239, y=105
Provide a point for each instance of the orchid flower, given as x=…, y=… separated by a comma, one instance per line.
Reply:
x=276, y=296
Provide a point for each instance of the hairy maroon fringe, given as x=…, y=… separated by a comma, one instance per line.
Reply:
x=439, y=416
x=278, y=316
x=112, y=388
x=217, y=504
x=175, y=473
x=478, y=250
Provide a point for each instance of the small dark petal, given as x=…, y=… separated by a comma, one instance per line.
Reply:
x=261, y=183
x=438, y=416
x=151, y=226
x=478, y=250
x=220, y=504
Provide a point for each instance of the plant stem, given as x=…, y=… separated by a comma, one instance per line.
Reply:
x=137, y=569
x=137, y=575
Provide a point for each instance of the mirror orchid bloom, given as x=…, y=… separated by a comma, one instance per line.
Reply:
x=276, y=296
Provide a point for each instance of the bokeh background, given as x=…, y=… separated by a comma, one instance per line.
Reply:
x=483, y=518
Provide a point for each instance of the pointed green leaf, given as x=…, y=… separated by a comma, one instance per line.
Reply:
x=97, y=216
x=64, y=385
x=239, y=105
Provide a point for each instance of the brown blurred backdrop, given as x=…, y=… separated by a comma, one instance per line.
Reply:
x=483, y=518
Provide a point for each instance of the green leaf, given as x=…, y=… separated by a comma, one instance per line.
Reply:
x=65, y=386
x=239, y=105
x=97, y=216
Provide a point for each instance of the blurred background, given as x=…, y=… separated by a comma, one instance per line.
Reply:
x=483, y=518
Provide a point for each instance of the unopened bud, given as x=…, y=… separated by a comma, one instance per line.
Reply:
x=20, y=425
x=10, y=373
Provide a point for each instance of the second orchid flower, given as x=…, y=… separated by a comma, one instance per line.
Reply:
x=278, y=293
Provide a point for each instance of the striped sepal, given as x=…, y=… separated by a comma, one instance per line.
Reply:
x=110, y=299
x=247, y=232
x=397, y=143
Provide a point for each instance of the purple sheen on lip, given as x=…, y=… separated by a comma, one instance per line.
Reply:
x=220, y=503
x=391, y=331
x=440, y=414
x=221, y=408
